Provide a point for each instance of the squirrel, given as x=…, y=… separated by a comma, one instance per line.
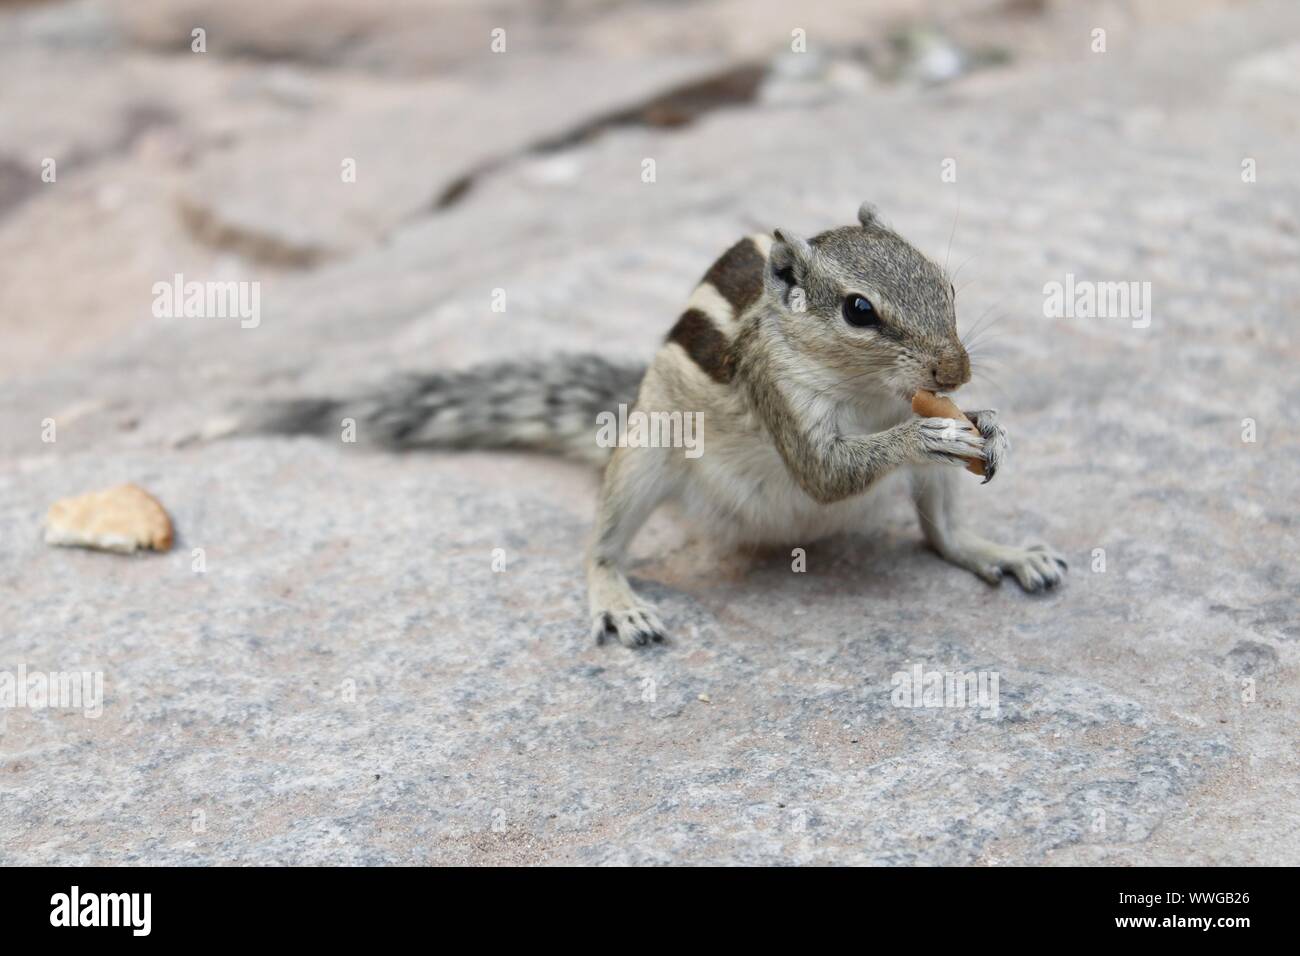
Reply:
x=800, y=356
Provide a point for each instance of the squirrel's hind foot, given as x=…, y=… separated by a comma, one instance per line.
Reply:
x=634, y=627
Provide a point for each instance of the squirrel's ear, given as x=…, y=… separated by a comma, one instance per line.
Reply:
x=868, y=215
x=789, y=258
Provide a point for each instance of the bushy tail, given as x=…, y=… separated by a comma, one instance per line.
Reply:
x=546, y=405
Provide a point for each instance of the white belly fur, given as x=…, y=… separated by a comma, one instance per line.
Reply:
x=739, y=489
x=742, y=491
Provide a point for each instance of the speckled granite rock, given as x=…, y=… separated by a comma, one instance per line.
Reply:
x=345, y=678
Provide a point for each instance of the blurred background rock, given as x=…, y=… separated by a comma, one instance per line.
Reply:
x=211, y=161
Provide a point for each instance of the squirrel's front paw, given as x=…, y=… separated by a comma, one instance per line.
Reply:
x=633, y=626
x=1036, y=568
x=947, y=441
x=996, y=445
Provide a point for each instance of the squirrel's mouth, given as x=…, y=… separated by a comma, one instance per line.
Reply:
x=928, y=385
x=910, y=388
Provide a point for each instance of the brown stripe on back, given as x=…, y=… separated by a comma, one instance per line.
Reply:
x=738, y=275
x=707, y=347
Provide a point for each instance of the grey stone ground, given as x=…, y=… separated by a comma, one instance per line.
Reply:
x=485, y=726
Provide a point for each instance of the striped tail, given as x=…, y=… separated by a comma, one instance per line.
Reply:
x=548, y=405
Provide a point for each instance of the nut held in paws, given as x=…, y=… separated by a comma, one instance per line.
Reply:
x=929, y=405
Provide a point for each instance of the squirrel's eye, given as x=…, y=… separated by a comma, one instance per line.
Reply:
x=859, y=312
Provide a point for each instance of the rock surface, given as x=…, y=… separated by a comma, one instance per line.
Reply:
x=328, y=669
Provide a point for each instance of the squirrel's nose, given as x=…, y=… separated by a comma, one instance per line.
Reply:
x=951, y=373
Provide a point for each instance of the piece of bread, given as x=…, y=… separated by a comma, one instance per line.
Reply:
x=929, y=405
x=124, y=519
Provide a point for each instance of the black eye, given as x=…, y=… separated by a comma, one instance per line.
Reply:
x=859, y=312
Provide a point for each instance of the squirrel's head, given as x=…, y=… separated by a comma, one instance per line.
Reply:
x=865, y=305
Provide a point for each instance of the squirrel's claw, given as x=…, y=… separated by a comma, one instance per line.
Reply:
x=996, y=445
x=634, y=627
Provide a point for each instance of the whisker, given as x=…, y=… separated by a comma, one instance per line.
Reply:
x=986, y=339
x=988, y=352
x=985, y=379
x=978, y=322
x=953, y=277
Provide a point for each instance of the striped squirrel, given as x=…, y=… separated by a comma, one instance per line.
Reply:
x=801, y=356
